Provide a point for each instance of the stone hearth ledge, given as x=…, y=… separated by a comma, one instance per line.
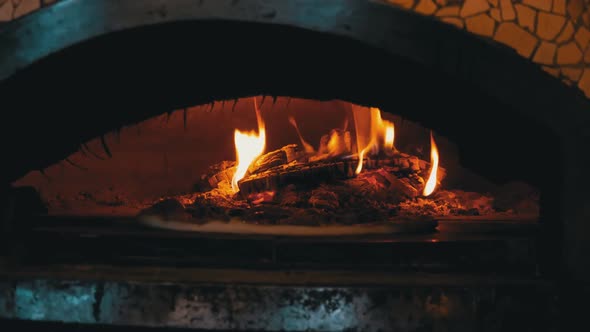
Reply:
x=275, y=300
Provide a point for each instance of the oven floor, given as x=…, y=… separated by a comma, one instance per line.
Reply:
x=473, y=246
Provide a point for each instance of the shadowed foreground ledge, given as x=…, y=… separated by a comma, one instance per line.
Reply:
x=400, y=305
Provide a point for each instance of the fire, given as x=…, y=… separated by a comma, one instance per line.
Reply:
x=431, y=183
x=249, y=146
x=375, y=137
x=359, y=167
x=308, y=148
x=338, y=143
x=389, y=136
x=387, y=133
x=372, y=133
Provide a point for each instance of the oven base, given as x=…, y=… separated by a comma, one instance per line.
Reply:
x=283, y=300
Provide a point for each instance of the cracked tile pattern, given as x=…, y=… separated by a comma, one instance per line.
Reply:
x=555, y=34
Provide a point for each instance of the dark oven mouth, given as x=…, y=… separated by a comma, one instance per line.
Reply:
x=369, y=160
x=273, y=182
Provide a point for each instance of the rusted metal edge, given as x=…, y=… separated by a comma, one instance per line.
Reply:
x=257, y=277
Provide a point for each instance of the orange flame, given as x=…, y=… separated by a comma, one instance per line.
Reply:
x=432, y=178
x=249, y=146
x=389, y=136
x=338, y=143
x=372, y=133
x=308, y=148
x=359, y=167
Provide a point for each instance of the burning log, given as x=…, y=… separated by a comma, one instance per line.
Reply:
x=300, y=174
x=284, y=155
x=220, y=172
x=223, y=176
x=293, y=152
x=269, y=160
x=224, y=171
x=383, y=185
x=280, y=168
x=405, y=163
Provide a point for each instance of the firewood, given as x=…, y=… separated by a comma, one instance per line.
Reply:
x=293, y=152
x=223, y=171
x=308, y=174
x=275, y=178
x=383, y=185
x=269, y=160
x=284, y=155
x=225, y=175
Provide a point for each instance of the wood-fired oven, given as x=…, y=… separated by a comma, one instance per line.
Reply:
x=295, y=165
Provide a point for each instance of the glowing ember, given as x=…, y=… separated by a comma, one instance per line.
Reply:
x=372, y=133
x=432, y=178
x=249, y=146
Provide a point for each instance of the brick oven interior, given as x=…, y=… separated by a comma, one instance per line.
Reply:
x=122, y=207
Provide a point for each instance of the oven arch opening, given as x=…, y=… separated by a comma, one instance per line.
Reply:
x=255, y=72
